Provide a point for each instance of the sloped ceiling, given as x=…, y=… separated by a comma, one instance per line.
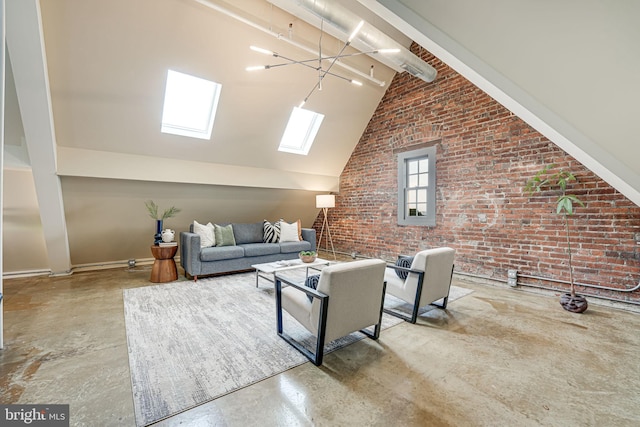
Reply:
x=567, y=68
x=108, y=62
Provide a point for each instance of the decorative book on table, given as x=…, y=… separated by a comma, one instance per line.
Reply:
x=168, y=244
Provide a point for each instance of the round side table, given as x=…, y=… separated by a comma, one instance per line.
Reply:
x=164, y=267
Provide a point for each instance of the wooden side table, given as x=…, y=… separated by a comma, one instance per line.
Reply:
x=164, y=267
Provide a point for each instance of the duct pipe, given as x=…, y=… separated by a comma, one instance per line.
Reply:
x=333, y=13
x=584, y=285
x=280, y=36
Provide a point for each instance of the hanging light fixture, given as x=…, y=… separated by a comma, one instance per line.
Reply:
x=317, y=63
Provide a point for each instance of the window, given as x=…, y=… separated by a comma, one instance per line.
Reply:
x=417, y=187
x=301, y=131
x=190, y=105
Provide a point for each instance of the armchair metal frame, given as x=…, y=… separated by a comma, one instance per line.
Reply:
x=316, y=357
x=416, y=302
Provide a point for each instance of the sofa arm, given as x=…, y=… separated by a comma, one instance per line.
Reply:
x=190, y=253
x=309, y=234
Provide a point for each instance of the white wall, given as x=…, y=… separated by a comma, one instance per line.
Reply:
x=22, y=237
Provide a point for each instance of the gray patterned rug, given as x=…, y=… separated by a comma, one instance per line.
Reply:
x=190, y=343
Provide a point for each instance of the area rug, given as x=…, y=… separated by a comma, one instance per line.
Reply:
x=190, y=343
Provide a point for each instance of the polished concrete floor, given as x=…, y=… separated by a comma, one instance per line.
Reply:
x=497, y=357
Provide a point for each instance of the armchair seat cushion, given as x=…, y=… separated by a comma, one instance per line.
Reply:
x=397, y=286
x=221, y=252
x=298, y=305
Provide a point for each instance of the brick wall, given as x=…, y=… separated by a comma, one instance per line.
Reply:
x=485, y=155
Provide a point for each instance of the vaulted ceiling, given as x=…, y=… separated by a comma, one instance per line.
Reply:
x=90, y=75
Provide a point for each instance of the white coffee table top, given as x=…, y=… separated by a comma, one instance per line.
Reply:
x=289, y=264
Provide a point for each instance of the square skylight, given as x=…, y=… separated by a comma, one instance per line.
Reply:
x=301, y=131
x=190, y=105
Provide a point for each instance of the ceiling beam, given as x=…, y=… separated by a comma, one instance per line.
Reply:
x=26, y=47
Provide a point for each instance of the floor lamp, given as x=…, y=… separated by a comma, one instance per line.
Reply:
x=326, y=201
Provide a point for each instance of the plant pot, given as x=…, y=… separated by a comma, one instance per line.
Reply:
x=157, y=238
x=574, y=304
x=307, y=258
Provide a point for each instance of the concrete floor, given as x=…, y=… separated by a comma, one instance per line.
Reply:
x=497, y=357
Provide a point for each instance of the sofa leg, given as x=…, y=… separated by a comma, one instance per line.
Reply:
x=195, y=278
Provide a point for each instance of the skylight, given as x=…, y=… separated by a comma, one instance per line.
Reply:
x=301, y=131
x=190, y=105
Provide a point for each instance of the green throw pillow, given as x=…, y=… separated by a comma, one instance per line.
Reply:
x=224, y=235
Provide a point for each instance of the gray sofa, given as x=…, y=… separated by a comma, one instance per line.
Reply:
x=249, y=250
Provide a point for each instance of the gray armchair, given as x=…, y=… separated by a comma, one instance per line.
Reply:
x=349, y=297
x=427, y=280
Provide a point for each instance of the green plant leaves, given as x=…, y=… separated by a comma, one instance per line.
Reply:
x=153, y=210
x=555, y=181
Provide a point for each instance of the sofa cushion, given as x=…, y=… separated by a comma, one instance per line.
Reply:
x=224, y=235
x=289, y=247
x=218, y=253
x=248, y=233
x=259, y=249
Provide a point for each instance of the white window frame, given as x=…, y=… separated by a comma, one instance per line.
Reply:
x=404, y=215
x=183, y=92
x=301, y=131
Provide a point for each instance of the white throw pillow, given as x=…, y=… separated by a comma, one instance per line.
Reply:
x=289, y=232
x=207, y=236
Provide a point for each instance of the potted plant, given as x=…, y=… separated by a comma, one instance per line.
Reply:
x=307, y=256
x=557, y=181
x=153, y=213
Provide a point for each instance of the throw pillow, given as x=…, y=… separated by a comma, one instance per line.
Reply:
x=299, y=230
x=312, y=282
x=404, y=261
x=207, y=238
x=271, y=232
x=288, y=232
x=224, y=235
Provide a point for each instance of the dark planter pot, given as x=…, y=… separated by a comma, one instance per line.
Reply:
x=574, y=304
x=157, y=238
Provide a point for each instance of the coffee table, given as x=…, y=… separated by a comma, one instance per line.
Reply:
x=268, y=270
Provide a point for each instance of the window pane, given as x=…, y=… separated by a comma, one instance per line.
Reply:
x=300, y=132
x=412, y=167
x=189, y=105
x=416, y=189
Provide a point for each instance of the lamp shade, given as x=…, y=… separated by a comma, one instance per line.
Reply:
x=325, y=201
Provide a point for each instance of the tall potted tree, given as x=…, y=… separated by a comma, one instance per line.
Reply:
x=557, y=180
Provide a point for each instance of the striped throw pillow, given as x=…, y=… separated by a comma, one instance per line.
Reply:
x=271, y=232
x=312, y=282
x=404, y=261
